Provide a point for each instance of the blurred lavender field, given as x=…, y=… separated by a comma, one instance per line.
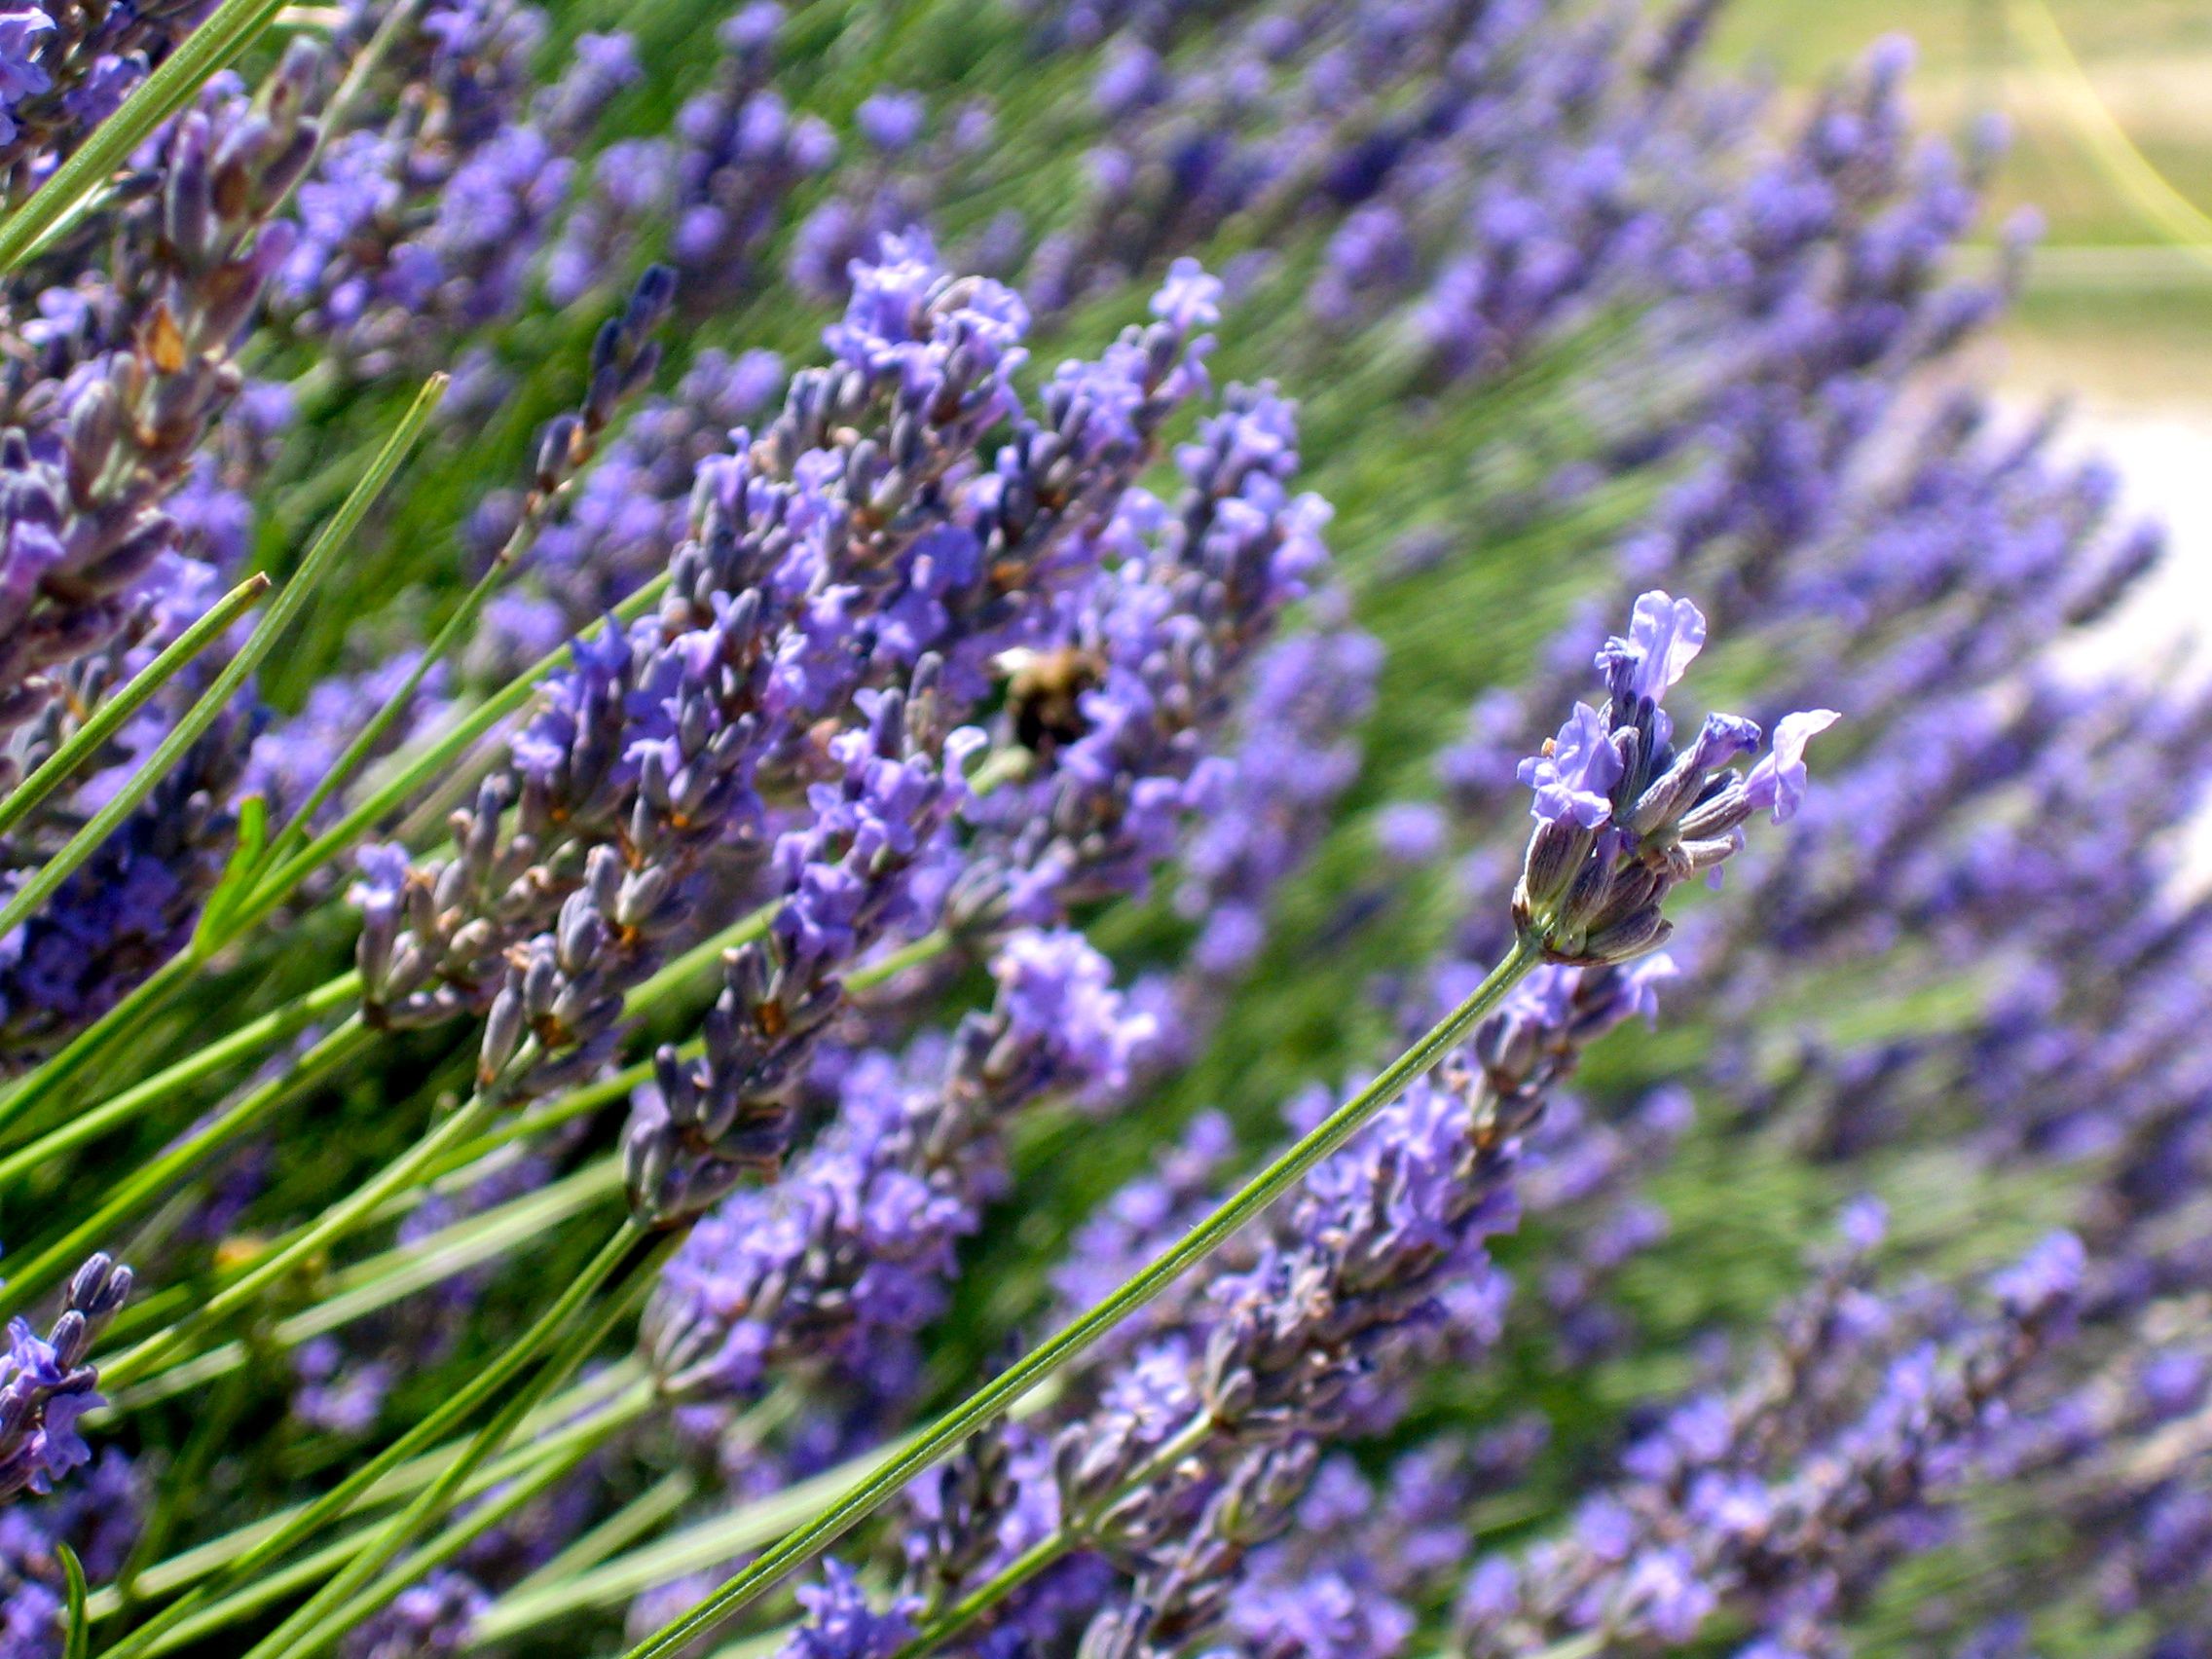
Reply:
x=2115, y=319
x=1112, y=830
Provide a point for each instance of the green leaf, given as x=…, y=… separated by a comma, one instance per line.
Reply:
x=59, y=766
x=237, y=874
x=80, y=1638
x=215, y=44
x=288, y=604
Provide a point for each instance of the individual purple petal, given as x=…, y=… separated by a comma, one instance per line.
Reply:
x=1779, y=779
x=1573, y=778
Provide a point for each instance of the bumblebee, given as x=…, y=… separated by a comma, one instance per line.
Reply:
x=1044, y=694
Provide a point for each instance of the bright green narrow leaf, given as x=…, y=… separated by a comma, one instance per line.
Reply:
x=214, y=45
x=237, y=874
x=288, y=604
x=58, y=767
x=79, y=1641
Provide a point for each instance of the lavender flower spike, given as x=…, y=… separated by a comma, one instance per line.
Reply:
x=83, y=478
x=46, y=1385
x=1622, y=814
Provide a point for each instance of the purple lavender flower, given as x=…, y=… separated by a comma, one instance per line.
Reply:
x=1157, y=647
x=602, y=65
x=751, y=674
x=425, y=1621
x=1779, y=779
x=416, y=233
x=1613, y=835
x=97, y=1516
x=841, y=1624
x=1880, y=1417
x=19, y=69
x=890, y=120
x=1575, y=776
x=131, y=907
x=114, y=430
x=847, y=1257
x=45, y=1383
x=1294, y=759
x=740, y=152
x=291, y=755
x=796, y=539
x=65, y=70
x=1664, y=638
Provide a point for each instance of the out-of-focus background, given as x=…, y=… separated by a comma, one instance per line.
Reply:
x=2110, y=107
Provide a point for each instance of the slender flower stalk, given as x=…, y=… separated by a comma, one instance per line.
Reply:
x=391, y=1536
x=1011, y=1385
x=227, y=33
x=305, y=1631
x=154, y=1177
x=577, y=1416
x=335, y=1221
x=88, y=739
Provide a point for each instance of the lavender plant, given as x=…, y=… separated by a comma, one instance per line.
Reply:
x=722, y=1003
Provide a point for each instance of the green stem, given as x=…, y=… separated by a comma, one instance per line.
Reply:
x=384, y=1279
x=450, y=1542
x=700, y=1545
x=100, y=1038
x=143, y=1183
x=910, y=955
x=287, y=606
x=294, y=836
x=209, y=1439
x=561, y=1109
x=570, y=1445
x=440, y=754
x=309, y=1626
x=448, y=1156
x=168, y=88
x=337, y=993
x=165, y=1085
x=987, y=1402
x=625, y=1527
x=79, y=1640
x=85, y=741
x=334, y=1224
x=446, y=1483
x=585, y=1414
x=1044, y=1553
